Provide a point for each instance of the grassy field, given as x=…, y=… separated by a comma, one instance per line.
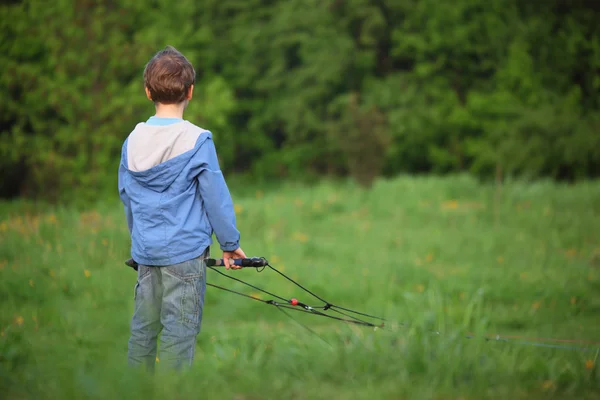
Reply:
x=439, y=258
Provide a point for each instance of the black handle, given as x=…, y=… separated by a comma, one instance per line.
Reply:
x=131, y=263
x=254, y=262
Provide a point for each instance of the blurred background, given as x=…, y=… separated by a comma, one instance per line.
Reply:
x=302, y=89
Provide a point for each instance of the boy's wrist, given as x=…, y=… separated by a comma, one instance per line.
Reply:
x=230, y=246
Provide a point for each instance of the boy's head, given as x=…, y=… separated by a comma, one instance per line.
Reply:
x=169, y=77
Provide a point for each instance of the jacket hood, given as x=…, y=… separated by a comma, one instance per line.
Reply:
x=154, y=156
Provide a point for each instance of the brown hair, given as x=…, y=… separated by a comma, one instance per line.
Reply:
x=169, y=76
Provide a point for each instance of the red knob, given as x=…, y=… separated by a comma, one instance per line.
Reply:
x=294, y=302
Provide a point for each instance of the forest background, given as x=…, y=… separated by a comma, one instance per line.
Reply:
x=303, y=89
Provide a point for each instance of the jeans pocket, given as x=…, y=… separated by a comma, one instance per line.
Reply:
x=184, y=286
x=190, y=301
x=143, y=272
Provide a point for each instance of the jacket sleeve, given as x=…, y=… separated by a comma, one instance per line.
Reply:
x=123, y=194
x=217, y=198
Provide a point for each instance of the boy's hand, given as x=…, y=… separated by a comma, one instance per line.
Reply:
x=231, y=255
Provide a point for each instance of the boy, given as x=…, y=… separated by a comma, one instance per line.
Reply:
x=174, y=196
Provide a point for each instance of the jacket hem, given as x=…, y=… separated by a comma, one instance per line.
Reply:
x=164, y=261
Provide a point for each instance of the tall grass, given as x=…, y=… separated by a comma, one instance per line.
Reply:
x=445, y=261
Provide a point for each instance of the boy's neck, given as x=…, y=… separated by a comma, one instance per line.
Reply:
x=170, y=110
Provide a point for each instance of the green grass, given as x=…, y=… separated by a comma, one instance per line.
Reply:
x=437, y=257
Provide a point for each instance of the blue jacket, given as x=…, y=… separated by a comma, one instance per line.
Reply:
x=174, y=193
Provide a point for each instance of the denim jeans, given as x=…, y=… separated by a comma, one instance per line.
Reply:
x=168, y=299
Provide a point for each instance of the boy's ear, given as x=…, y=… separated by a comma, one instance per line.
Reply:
x=190, y=92
x=148, y=95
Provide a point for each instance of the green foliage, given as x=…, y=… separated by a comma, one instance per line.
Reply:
x=71, y=89
x=349, y=127
x=469, y=85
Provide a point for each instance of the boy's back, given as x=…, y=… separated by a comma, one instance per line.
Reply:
x=175, y=197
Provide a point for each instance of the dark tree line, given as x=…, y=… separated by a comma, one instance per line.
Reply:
x=295, y=88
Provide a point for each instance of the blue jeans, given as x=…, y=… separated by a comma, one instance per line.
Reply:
x=168, y=299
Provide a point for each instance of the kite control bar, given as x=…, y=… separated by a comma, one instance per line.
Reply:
x=254, y=262
x=282, y=303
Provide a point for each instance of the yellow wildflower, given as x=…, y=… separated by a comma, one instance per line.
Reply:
x=450, y=205
x=571, y=252
x=523, y=275
x=300, y=237
x=547, y=385
x=87, y=273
